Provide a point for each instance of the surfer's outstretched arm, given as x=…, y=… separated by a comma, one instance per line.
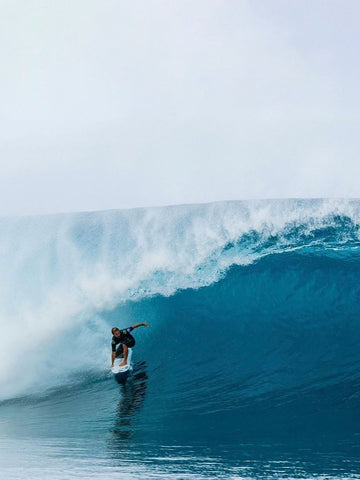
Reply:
x=139, y=325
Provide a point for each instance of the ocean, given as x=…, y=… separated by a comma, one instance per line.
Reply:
x=249, y=368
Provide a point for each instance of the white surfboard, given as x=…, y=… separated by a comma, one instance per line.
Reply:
x=116, y=369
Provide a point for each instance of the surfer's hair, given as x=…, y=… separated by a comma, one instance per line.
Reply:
x=114, y=329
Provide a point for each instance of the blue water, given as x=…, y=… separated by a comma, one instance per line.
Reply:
x=249, y=368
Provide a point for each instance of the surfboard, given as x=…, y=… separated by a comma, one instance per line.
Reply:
x=121, y=374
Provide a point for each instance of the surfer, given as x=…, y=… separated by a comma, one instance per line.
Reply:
x=126, y=341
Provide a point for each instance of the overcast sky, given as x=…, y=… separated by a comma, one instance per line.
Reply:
x=118, y=104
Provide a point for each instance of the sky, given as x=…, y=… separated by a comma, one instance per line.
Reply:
x=118, y=104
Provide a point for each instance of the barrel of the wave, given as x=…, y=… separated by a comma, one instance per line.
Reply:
x=121, y=374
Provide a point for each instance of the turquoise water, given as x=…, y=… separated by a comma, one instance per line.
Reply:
x=250, y=366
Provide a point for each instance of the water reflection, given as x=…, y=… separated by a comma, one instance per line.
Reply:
x=132, y=396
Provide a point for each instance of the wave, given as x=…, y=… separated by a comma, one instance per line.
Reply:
x=66, y=278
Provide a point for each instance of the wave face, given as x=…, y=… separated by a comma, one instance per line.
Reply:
x=253, y=308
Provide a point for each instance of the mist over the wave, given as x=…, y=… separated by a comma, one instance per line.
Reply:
x=128, y=104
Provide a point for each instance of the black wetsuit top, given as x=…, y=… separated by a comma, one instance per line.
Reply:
x=125, y=337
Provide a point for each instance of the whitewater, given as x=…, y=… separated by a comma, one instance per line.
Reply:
x=250, y=366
